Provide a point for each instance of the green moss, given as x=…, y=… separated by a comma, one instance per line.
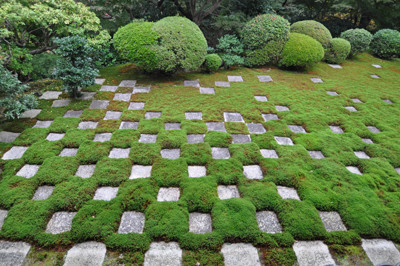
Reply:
x=202, y=257
x=62, y=124
x=38, y=152
x=123, y=138
x=279, y=256
x=55, y=170
x=91, y=152
x=200, y=194
x=93, y=115
x=236, y=128
x=31, y=135
x=264, y=196
x=227, y=171
x=15, y=190
x=218, y=139
x=137, y=195
x=196, y=154
x=112, y=172
x=170, y=139
x=194, y=126
x=75, y=137
x=169, y=172
x=150, y=126
x=247, y=153
x=145, y=153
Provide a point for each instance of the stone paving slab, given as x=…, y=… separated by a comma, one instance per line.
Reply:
x=332, y=93
x=13, y=253
x=375, y=76
x=85, y=171
x=87, y=95
x=388, y=101
x=195, y=138
x=141, y=90
x=3, y=216
x=163, y=254
x=112, y=115
x=253, y=172
x=43, y=193
x=332, y=221
x=50, y=95
x=99, y=104
x=266, y=153
x=131, y=222
x=356, y=100
x=140, y=171
x=312, y=253
x=197, y=171
x=373, y=129
x=194, y=115
x=354, y=170
x=168, y=194
x=228, y=192
x=86, y=254
x=15, y=152
x=316, y=154
x=317, y=80
x=240, y=254
x=261, y=98
x=351, y=108
x=118, y=153
x=60, y=103
x=136, y=106
x=31, y=113
x=263, y=78
x=88, y=125
x=148, y=138
x=99, y=81
x=60, y=222
x=297, y=129
x=8, y=137
x=268, y=222
x=105, y=193
x=128, y=83
x=170, y=153
x=397, y=170
x=240, y=138
x=222, y=84
x=68, y=152
x=233, y=117
x=336, y=129
x=172, y=126
x=282, y=108
x=207, y=90
x=283, y=141
x=102, y=137
x=235, y=79
x=129, y=125
x=151, y=115
x=256, y=128
x=28, y=170
x=125, y=97
x=268, y=117
x=216, y=126
x=55, y=136
x=381, y=251
x=109, y=88
x=376, y=66
x=220, y=153
x=191, y=83
x=287, y=193
x=361, y=155
x=335, y=66
x=200, y=223
x=42, y=124
x=72, y=113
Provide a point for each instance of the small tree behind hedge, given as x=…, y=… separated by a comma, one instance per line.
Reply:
x=359, y=40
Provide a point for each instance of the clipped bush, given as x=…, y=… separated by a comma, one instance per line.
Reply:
x=386, y=44
x=231, y=50
x=359, y=40
x=301, y=51
x=313, y=29
x=212, y=62
x=338, y=51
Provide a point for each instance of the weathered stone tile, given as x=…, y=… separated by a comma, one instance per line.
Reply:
x=86, y=254
x=15, y=152
x=235, y=79
x=194, y=115
x=43, y=193
x=332, y=93
x=140, y=171
x=170, y=153
x=13, y=253
x=397, y=170
x=336, y=129
x=151, y=115
x=168, y=194
x=284, y=141
x=112, y=115
x=335, y=66
x=381, y=251
x=228, y=192
x=109, y=88
x=220, y=153
x=8, y=137
x=312, y=253
x=148, y=138
x=368, y=141
x=85, y=171
x=28, y=170
x=195, y=138
x=373, y=129
x=376, y=66
x=207, y=90
x=200, y=223
x=268, y=222
x=128, y=83
x=131, y=222
x=375, y=76
x=31, y=113
x=263, y=78
x=354, y=170
x=3, y=216
x=87, y=95
x=222, y=84
x=216, y=126
x=99, y=104
x=388, y=101
x=197, y=171
x=240, y=138
x=256, y=128
x=191, y=83
x=136, y=106
x=268, y=117
x=72, y=113
x=332, y=221
x=50, y=95
x=317, y=80
x=102, y=137
x=288, y=193
x=118, y=153
x=261, y=98
x=172, y=126
x=99, y=81
x=88, y=125
x=68, y=152
x=163, y=254
x=61, y=222
x=105, y=193
x=351, y=108
x=361, y=155
x=129, y=125
x=316, y=154
x=356, y=100
x=240, y=254
x=55, y=136
x=253, y=172
x=141, y=90
x=269, y=153
x=42, y=124
x=281, y=108
x=60, y=103
x=233, y=117
x=125, y=97
x=297, y=129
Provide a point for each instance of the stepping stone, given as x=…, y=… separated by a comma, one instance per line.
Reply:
x=102, y=137
x=170, y=153
x=381, y=251
x=31, y=113
x=240, y=138
x=194, y=115
x=263, y=78
x=191, y=83
x=85, y=171
x=284, y=141
x=168, y=194
x=253, y=172
x=131, y=222
x=235, y=79
x=129, y=125
x=261, y=98
x=332, y=221
x=195, y=138
x=86, y=254
x=55, y=136
x=15, y=152
x=41, y=124
x=163, y=254
x=60, y=103
x=99, y=81
x=228, y=192
x=151, y=115
x=269, y=153
x=256, y=128
x=297, y=129
x=216, y=126
x=13, y=253
x=240, y=255
x=50, y=95
x=141, y=90
x=140, y=171
x=125, y=97
x=317, y=80
x=375, y=76
x=99, y=104
x=8, y=137
x=61, y=222
x=109, y=88
x=373, y=129
x=200, y=223
x=368, y=141
x=281, y=108
x=127, y=83
x=268, y=222
x=220, y=153
x=336, y=129
x=43, y=193
x=397, y=170
x=112, y=115
x=233, y=117
x=351, y=108
x=222, y=84
x=3, y=216
x=312, y=253
x=376, y=66
x=118, y=153
x=172, y=126
x=88, y=125
x=332, y=93
x=72, y=113
x=207, y=90
x=197, y=171
x=288, y=193
x=335, y=66
x=136, y=106
x=147, y=138
x=361, y=155
x=388, y=101
x=28, y=170
x=316, y=154
x=105, y=193
x=268, y=117
x=356, y=100
x=68, y=152
x=354, y=170
x=87, y=95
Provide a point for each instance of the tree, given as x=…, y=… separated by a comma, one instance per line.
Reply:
x=197, y=10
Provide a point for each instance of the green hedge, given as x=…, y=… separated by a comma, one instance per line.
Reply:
x=338, y=51
x=386, y=44
x=359, y=40
x=313, y=29
x=212, y=62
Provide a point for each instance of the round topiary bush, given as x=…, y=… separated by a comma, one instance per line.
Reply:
x=264, y=38
x=212, y=62
x=338, y=51
x=386, y=44
x=301, y=51
x=313, y=29
x=359, y=40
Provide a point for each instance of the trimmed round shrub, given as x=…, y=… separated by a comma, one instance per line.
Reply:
x=386, y=44
x=313, y=29
x=301, y=51
x=359, y=40
x=338, y=51
x=264, y=38
x=212, y=62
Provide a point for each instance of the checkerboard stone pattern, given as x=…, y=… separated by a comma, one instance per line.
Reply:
x=312, y=253
x=351, y=108
x=332, y=93
x=240, y=254
x=131, y=222
x=332, y=221
x=172, y=126
x=124, y=97
x=163, y=254
x=200, y=223
x=99, y=104
x=361, y=155
x=43, y=193
x=335, y=66
x=268, y=222
x=102, y=137
x=288, y=193
x=228, y=192
x=87, y=253
x=61, y=222
x=373, y=129
x=99, y=81
x=381, y=251
x=13, y=253
x=112, y=115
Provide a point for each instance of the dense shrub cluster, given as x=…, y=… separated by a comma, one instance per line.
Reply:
x=359, y=40
x=386, y=44
x=338, y=51
x=231, y=50
x=313, y=29
x=212, y=62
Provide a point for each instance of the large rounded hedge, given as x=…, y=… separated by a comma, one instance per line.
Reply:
x=313, y=29
x=359, y=40
x=212, y=62
x=264, y=38
x=338, y=51
x=301, y=51
x=386, y=44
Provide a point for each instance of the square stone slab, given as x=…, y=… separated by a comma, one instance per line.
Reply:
x=136, y=106
x=43, y=193
x=373, y=129
x=85, y=171
x=332, y=93
x=332, y=221
x=8, y=137
x=125, y=97
x=87, y=95
x=356, y=100
x=170, y=153
x=388, y=101
x=99, y=81
x=72, y=113
x=31, y=113
x=127, y=83
x=140, y=171
x=240, y=138
x=368, y=141
x=105, y=193
x=118, y=153
x=335, y=66
x=129, y=125
x=288, y=193
x=228, y=192
x=222, y=84
x=148, y=138
x=3, y=216
x=50, y=95
x=312, y=253
x=195, y=138
x=15, y=152
x=316, y=154
x=397, y=170
x=253, y=172
x=197, y=171
x=235, y=79
x=85, y=254
x=109, y=88
x=263, y=78
x=284, y=141
x=351, y=108
x=191, y=83
x=61, y=222
x=281, y=108
x=336, y=129
x=297, y=129
x=240, y=254
x=375, y=76
x=168, y=194
x=28, y=170
x=112, y=115
x=269, y=153
x=317, y=80
x=60, y=103
x=172, y=126
x=381, y=251
x=261, y=98
x=200, y=223
x=99, y=104
x=42, y=124
x=102, y=137
x=55, y=136
x=68, y=152
x=194, y=115
x=141, y=90
x=131, y=222
x=256, y=128
x=376, y=66
x=268, y=117
x=361, y=155
x=151, y=115
x=233, y=117
x=268, y=222
x=354, y=170
x=216, y=126
x=13, y=253
x=163, y=254
x=207, y=90
x=88, y=125
x=220, y=153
